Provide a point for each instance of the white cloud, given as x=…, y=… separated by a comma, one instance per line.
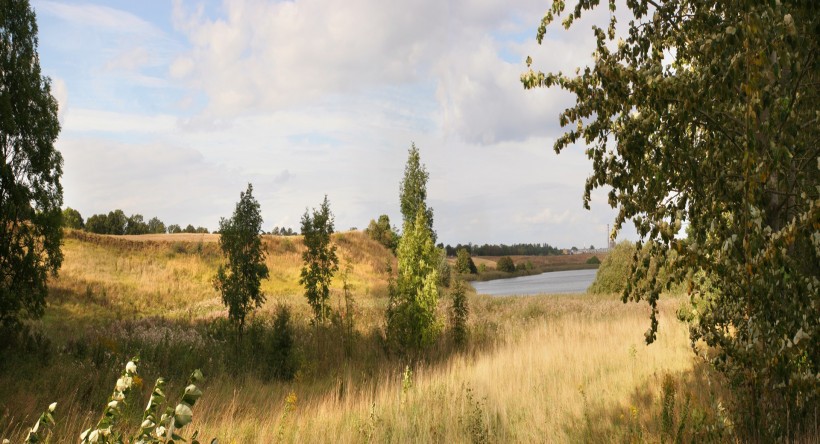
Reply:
x=97, y=16
x=482, y=99
x=85, y=120
x=272, y=55
x=311, y=97
x=262, y=57
x=175, y=183
x=548, y=216
x=108, y=54
x=130, y=59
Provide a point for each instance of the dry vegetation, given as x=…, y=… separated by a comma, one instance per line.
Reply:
x=538, y=369
x=567, y=370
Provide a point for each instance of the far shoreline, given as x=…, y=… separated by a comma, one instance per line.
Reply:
x=496, y=275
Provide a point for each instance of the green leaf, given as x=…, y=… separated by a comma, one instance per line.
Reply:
x=182, y=415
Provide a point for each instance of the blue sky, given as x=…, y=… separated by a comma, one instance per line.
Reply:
x=169, y=109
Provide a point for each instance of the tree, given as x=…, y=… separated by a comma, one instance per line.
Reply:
x=505, y=264
x=413, y=191
x=189, y=229
x=708, y=116
x=382, y=232
x=174, y=229
x=411, y=313
x=73, y=219
x=240, y=279
x=320, y=260
x=30, y=170
x=116, y=222
x=464, y=262
x=136, y=225
x=156, y=226
x=97, y=223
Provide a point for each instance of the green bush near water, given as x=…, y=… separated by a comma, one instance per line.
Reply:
x=614, y=270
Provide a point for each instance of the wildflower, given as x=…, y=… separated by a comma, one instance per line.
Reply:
x=52, y=406
x=112, y=404
x=131, y=368
x=160, y=431
x=124, y=383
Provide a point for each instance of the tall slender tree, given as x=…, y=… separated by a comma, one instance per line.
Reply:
x=30, y=169
x=239, y=281
x=320, y=260
x=413, y=191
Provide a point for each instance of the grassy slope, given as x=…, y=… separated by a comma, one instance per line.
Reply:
x=106, y=277
x=561, y=368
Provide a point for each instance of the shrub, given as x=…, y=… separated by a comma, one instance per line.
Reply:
x=382, y=232
x=464, y=262
x=281, y=359
x=444, y=269
x=505, y=264
x=593, y=260
x=459, y=312
x=614, y=271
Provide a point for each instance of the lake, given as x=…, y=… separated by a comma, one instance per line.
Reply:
x=573, y=281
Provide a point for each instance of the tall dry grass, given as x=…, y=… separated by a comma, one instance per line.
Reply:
x=110, y=277
x=576, y=369
x=538, y=369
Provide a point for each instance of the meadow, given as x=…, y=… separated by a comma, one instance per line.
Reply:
x=550, y=368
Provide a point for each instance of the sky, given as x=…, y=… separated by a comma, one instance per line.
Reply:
x=170, y=109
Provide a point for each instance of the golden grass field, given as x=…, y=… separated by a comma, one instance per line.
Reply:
x=557, y=368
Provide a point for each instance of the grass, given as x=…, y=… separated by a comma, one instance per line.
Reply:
x=568, y=372
x=537, y=369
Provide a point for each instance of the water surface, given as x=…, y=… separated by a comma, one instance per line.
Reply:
x=573, y=281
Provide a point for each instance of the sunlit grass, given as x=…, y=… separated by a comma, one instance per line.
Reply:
x=550, y=368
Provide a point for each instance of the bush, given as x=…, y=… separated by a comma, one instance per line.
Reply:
x=459, y=312
x=593, y=260
x=444, y=269
x=280, y=353
x=464, y=262
x=614, y=271
x=382, y=232
x=505, y=264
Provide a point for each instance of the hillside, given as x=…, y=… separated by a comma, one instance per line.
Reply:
x=170, y=275
x=555, y=368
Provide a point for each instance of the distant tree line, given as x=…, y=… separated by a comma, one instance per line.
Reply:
x=116, y=222
x=504, y=250
x=283, y=231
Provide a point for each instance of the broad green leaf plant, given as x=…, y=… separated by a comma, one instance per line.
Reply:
x=156, y=427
